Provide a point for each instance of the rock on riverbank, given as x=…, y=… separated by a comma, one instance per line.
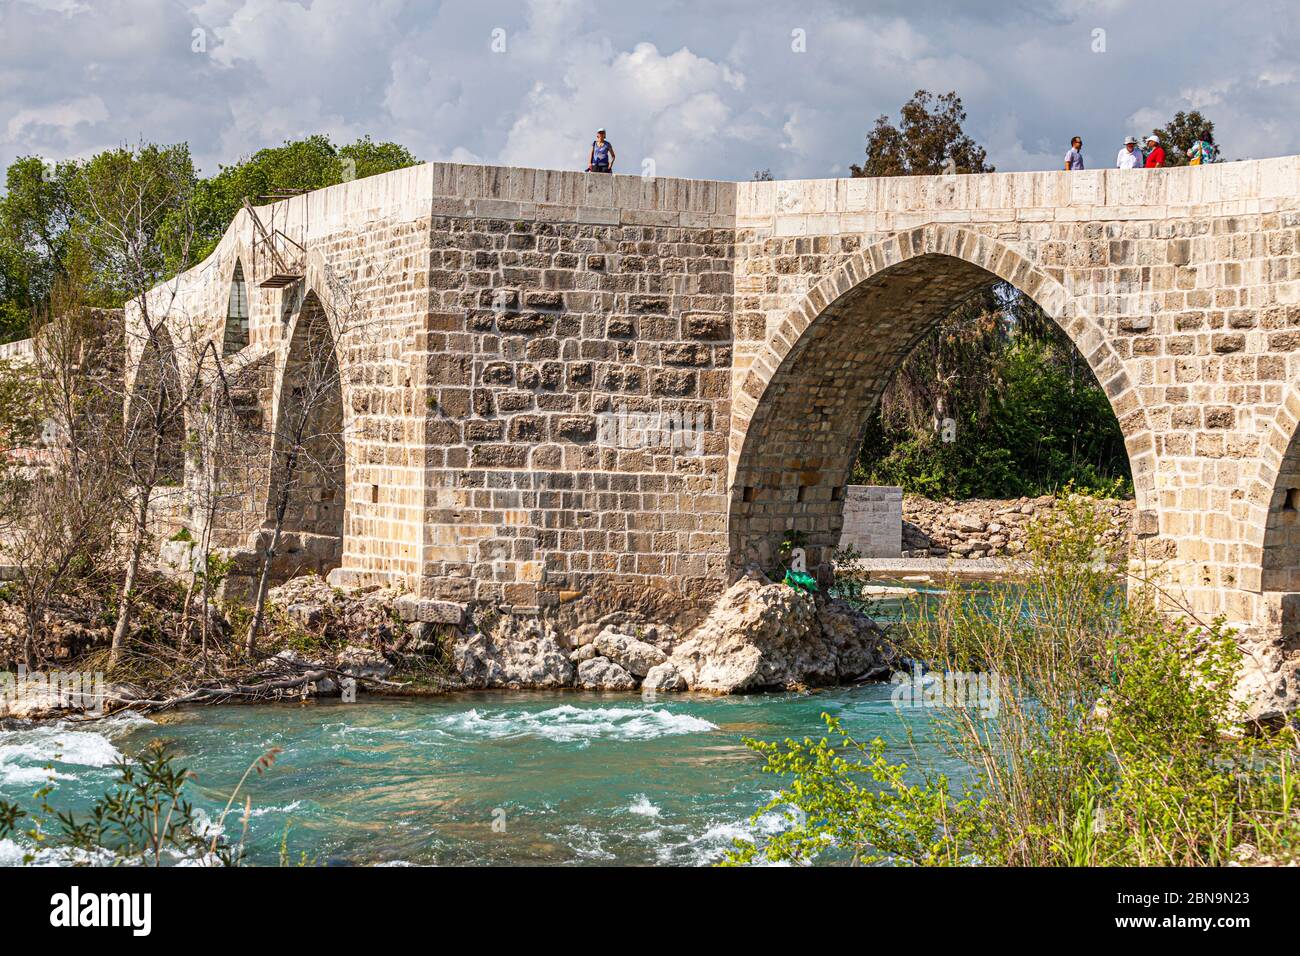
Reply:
x=988, y=528
x=760, y=635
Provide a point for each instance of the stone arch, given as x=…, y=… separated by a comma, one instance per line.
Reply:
x=307, y=479
x=156, y=406
x=1272, y=559
x=235, y=327
x=798, y=415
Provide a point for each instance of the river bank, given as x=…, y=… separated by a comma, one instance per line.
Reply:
x=323, y=641
x=980, y=528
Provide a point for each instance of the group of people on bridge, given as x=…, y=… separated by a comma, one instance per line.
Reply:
x=1133, y=156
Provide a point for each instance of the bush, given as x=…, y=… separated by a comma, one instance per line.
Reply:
x=1039, y=424
x=1116, y=739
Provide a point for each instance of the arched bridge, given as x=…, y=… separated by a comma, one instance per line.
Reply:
x=572, y=391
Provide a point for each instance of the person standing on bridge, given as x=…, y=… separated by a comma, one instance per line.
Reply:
x=1130, y=157
x=1203, y=151
x=1074, y=158
x=602, y=155
x=1155, y=154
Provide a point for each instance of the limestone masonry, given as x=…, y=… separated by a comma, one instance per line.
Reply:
x=568, y=393
x=873, y=521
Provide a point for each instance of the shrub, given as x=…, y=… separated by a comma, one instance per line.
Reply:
x=1116, y=739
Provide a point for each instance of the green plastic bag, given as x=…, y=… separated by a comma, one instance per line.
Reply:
x=800, y=581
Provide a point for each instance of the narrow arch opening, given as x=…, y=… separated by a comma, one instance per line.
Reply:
x=307, y=496
x=236, y=333
x=801, y=445
x=1280, y=556
x=156, y=415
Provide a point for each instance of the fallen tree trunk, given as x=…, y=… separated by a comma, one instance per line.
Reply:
x=221, y=691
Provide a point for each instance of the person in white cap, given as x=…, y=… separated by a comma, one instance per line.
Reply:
x=602, y=154
x=1155, y=154
x=1130, y=157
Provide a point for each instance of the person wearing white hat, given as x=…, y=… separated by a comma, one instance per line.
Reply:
x=1155, y=154
x=1130, y=157
x=601, y=159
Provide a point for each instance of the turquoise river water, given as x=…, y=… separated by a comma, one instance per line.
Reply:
x=566, y=777
x=500, y=778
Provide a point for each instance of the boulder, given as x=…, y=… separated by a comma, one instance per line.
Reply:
x=363, y=662
x=664, y=677
x=309, y=614
x=516, y=653
x=857, y=642
x=1268, y=683
x=600, y=673
x=634, y=656
x=584, y=653
x=759, y=634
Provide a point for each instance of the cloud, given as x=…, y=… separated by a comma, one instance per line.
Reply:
x=708, y=90
x=668, y=108
x=62, y=116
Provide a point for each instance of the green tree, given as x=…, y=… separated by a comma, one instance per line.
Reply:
x=47, y=227
x=35, y=217
x=928, y=140
x=300, y=165
x=131, y=217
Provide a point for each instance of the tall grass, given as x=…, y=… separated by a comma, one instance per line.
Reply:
x=1116, y=739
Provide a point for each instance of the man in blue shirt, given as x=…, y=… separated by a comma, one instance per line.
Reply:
x=1074, y=158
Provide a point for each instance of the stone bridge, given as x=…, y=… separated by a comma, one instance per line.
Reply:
x=570, y=392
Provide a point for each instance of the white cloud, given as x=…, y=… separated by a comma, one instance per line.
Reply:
x=64, y=116
x=710, y=90
x=668, y=108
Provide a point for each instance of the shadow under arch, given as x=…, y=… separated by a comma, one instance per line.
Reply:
x=155, y=411
x=235, y=327
x=1272, y=561
x=307, y=480
x=799, y=414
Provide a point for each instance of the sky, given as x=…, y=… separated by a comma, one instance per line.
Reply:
x=708, y=89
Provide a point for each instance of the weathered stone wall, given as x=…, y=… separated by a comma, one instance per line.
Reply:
x=873, y=520
x=498, y=330
x=547, y=328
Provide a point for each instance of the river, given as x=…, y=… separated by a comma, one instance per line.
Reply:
x=494, y=778
x=483, y=778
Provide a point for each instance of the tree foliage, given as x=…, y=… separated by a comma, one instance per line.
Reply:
x=1019, y=413
x=928, y=140
x=311, y=163
x=35, y=219
x=52, y=215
